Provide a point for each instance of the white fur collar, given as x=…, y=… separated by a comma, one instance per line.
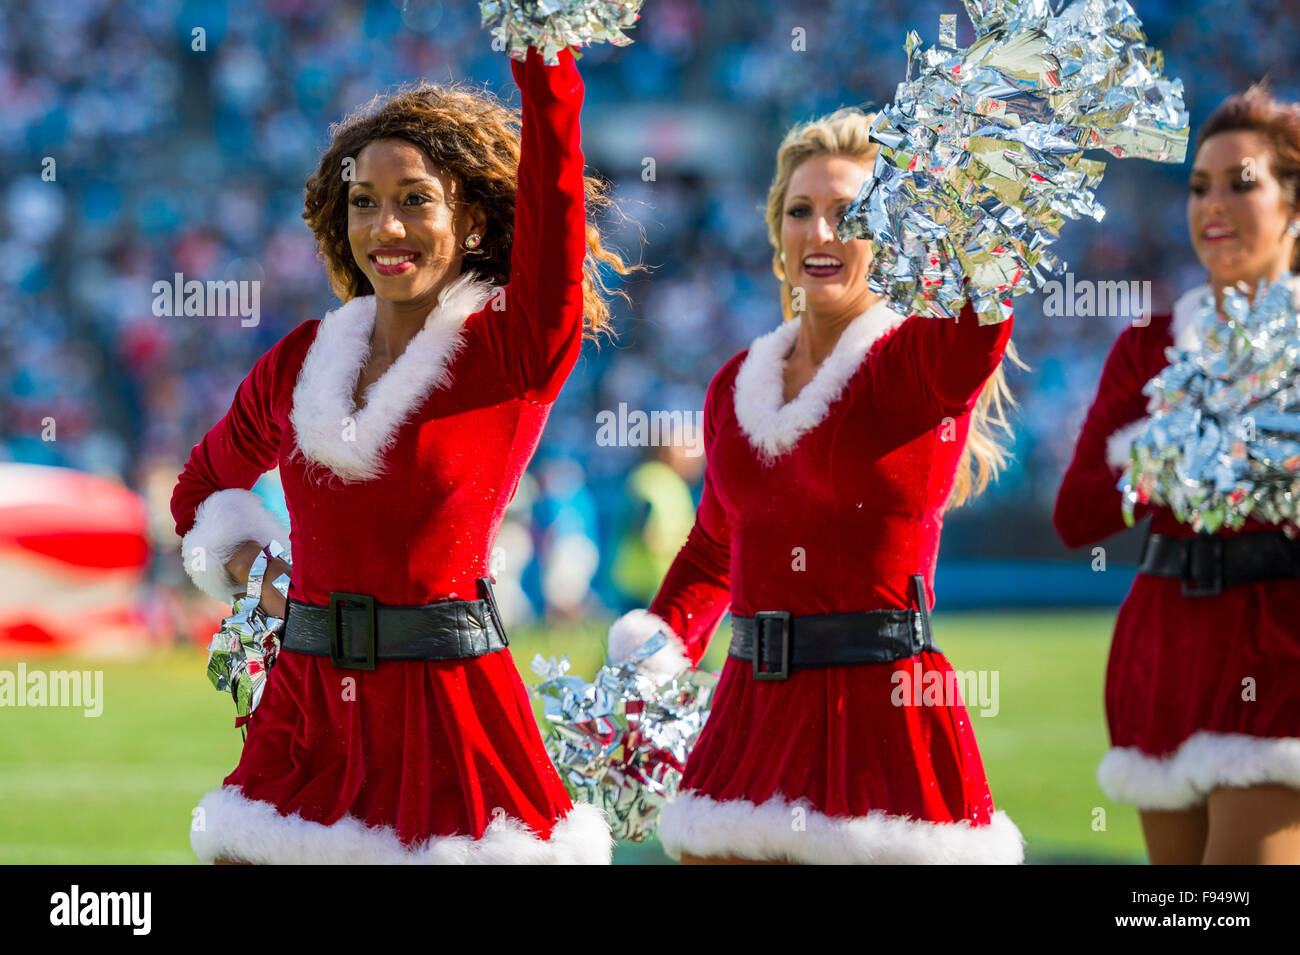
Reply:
x=773, y=428
x=351, y=443
x=1185, y=327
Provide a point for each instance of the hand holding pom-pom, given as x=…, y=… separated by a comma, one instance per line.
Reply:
x=554, y=25
x=981, y=153
x=246, y=646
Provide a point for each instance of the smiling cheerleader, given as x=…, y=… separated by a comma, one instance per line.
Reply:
x=394, y=726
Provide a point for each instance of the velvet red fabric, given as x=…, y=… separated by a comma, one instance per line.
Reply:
x=426, y=748
x=1177, y=664
x=837, y=523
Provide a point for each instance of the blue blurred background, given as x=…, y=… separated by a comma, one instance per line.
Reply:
x=176, y=160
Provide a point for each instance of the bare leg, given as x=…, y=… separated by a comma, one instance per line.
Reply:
x=1255, y=825
x=1175, y=837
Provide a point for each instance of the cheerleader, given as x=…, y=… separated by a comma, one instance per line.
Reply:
x=394, y=726
x=835, y=444
x=1201, y=685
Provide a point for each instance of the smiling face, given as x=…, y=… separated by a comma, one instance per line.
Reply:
x=1237, y=211
x=831, y=273
x=405, y=223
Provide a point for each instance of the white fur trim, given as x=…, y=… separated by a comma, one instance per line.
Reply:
x=222, y=524
x=775, y=831
x=636, y=627
x=1119, y=446
x=230, y=826
x=322, y=396
x=774, y=428
x=1187, y=309
x=1205, y=761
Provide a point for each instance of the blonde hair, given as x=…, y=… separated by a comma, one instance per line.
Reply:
x=847, y=132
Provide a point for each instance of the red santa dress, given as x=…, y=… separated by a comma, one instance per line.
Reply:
x=1200, y=690
x=415, y=761
x=828, y=504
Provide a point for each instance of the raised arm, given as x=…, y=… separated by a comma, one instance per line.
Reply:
x=1088, y=505
x=536, y=331
x=696, y=591
x=215, y=512
x=957, y=356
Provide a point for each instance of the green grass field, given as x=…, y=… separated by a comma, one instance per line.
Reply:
x=119, y=788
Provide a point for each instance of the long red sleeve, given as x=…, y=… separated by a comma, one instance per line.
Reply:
x=956, y=357
x=538, y=334
x=244, y=444
x=1088, y=505
x=214, y=510
x=696, y=591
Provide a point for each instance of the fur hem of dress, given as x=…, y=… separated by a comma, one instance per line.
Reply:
x=223, y=522
x=633, y=629
x=231, y=826
x=774, y=428
x=330, y=431
x=775, y=831
x=1203, y=762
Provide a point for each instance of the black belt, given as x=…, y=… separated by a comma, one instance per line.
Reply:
x=354, y=631
x=787, y=643
x=1207, y=564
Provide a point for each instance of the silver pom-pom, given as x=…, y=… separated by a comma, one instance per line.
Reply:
x=553, y=25
x=981, y=152
x=246, y=646
x=621, y=741
x=1223, y=442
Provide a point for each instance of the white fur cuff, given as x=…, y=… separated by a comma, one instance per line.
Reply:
x=1119, y=446
x=778, y=830
x=1204, y=762
x=228, y=825
x=222, y=524
x=636, y=627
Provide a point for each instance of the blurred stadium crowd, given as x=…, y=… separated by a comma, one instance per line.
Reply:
x=171, y=159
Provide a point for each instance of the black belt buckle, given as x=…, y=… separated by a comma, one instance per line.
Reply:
x=782, y=619
x=1203, y=554
x=338, y=653
x=490, y=598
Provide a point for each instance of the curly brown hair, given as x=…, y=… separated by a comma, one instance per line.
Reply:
x=470, y=134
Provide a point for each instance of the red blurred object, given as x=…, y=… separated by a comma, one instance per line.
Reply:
x=74, y=551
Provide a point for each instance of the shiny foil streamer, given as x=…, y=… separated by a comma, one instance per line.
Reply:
x=244, y=649
x=981, y=152
x=1223, y=442
x=621, y=741
x=553, y=25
